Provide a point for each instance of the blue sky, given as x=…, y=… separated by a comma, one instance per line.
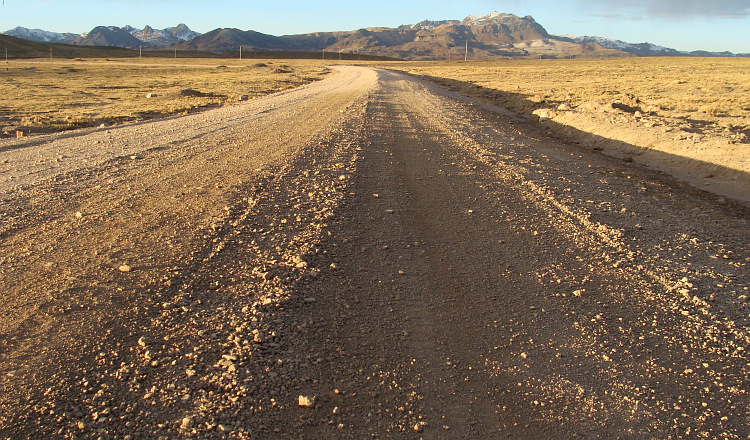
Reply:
x=680, y=24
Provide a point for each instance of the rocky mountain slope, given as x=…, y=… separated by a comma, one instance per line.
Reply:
x=483, y=37
x=491, y=36
x=42, y=36
x=164, y=37
x=22, y=48
x=109, y=36
x=114, y=36
x=648, y=49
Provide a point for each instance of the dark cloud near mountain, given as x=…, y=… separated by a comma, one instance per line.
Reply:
x=670, y=8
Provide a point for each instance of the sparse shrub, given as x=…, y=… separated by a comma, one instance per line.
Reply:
x=711, y=109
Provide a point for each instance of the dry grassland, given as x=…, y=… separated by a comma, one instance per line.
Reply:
x=700, y=94
x=40, y=96
x=688, y=117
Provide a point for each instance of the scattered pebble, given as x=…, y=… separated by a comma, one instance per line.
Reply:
x=306, y=401
x=187, y=423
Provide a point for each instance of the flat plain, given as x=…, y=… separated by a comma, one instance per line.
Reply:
x=708, y=93
x=687, y=117
x=370, y=255
x=42, y=96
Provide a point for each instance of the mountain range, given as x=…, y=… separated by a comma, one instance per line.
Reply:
x=113, y=36
x=490, y=36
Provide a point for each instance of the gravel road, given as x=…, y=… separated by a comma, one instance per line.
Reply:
x=368, y=256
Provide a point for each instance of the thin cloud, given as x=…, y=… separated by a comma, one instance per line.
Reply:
x=609, y=16
x=619, y=17
x=674, y=8
x=40, y=5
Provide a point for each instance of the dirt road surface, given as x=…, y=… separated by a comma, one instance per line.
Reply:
x=368, y=256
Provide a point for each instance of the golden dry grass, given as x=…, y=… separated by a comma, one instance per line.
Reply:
x=696, y=94
x=688, y=117
x=43, y=96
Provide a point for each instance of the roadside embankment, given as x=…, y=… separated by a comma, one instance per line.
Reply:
x=687, y=117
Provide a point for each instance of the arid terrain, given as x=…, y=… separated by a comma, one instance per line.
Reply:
x=688, y=117
x=43, y=96
x=366, y=256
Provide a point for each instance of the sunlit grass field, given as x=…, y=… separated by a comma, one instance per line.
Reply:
x=40, y=95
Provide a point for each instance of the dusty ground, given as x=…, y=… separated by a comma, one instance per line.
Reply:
x=367, y=256
x=687, y=117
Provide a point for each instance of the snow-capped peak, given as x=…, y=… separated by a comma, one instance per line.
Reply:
x=482, y=19
x=182, y=32
x=40, y=35
x=644, y=49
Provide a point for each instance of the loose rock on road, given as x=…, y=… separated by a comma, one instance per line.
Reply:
x=366, y=256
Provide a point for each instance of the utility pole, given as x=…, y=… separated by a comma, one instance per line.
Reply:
x=339, y=55
x=140, y=51
x=466, y=54
x=240, y=52
x=50, y=54
x=324, y=53
x=6, y=54
x=175, y=53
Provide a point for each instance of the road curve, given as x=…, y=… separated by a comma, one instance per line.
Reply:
x=366, y=256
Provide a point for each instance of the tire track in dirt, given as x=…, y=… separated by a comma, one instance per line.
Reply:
x=510, y=307
x=66, y=303
x=409, y=263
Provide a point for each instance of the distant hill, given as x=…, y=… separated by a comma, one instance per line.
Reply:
x=113, y=36
x=483, y=36
x=223, y=40
x=163, y=37
x=42, y=36
x=21, y=48
x=109, y=36
x=648, y=49
x=489, y=36
x=24, y=49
